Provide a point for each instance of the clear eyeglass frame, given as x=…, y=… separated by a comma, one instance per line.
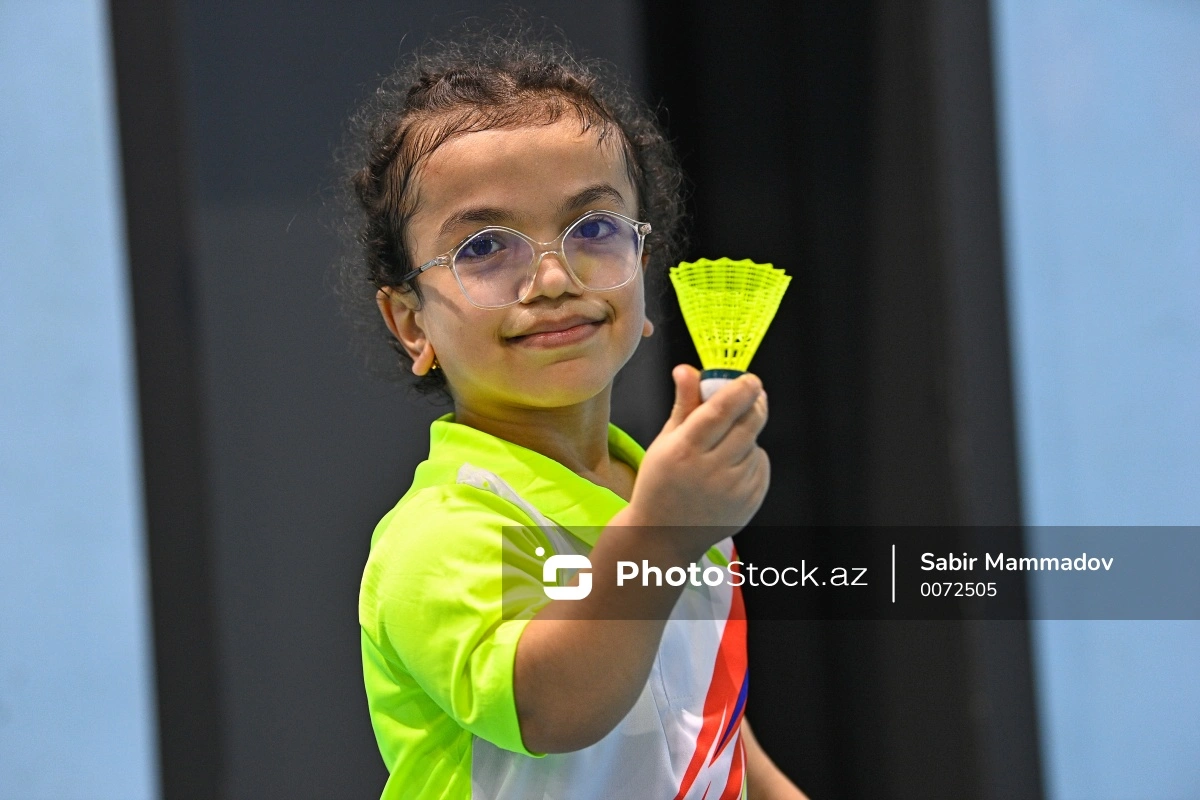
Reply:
x=540, y=250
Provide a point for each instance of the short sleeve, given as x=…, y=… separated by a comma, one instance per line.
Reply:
x=449, y=586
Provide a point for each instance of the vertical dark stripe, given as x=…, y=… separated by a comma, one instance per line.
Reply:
x=983, y=448
x=854, y=144
x=145, y=48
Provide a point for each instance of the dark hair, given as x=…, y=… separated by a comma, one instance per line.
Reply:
x=485, y=79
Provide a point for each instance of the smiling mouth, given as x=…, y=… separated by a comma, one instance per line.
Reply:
x=571, y=334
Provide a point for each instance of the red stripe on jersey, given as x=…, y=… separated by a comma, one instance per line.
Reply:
x=733, y=787
x=721, y=703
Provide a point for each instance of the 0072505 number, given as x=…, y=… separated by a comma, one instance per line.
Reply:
x=958, y=589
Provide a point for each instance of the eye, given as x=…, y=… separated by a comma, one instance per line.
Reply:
x=481, y=246
x=595, y=228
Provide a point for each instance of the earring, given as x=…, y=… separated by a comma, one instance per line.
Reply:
x=434, y=365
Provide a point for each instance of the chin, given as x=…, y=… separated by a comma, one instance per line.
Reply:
x=559, y=390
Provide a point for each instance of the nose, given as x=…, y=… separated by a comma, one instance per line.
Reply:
x=552, y=278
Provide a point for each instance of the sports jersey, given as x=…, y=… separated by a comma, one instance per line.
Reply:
x=440, y=624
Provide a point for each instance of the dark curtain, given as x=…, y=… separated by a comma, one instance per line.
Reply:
x=853, y=144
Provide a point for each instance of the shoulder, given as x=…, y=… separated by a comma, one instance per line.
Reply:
x=443, y=518
x=448, y=503
x=441, y=540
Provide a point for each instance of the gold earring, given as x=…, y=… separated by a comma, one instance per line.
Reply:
x=434, y=365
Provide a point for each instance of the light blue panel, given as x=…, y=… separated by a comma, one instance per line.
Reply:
x=1100, y=124
x=1099, y=115
x=76, y=693
x=1119, y=704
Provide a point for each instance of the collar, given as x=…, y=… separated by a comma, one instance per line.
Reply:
x=573, y=502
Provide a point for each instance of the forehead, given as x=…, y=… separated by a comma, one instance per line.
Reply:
x=526, y=171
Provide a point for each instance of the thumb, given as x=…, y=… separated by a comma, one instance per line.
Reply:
x=687, y=395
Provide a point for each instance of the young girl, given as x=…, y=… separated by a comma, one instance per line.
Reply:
x=515, y=202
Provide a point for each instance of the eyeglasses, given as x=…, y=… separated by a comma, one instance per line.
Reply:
x=496, y=267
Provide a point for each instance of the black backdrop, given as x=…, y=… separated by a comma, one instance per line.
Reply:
x=854, y=143
x=851, y=142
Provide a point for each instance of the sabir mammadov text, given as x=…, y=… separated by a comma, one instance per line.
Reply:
x=954, y=563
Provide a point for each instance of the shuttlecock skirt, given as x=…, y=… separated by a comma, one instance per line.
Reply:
x=727, y=306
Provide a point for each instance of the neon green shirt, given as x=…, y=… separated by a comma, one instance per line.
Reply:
x=437, y=651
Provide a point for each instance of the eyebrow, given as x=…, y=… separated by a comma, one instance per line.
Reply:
x=599, y=191
x=490, y=215
x=486, y=215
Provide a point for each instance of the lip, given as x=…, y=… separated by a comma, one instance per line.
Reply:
x=559, y=332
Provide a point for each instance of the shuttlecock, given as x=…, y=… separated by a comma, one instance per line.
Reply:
x=727, y=306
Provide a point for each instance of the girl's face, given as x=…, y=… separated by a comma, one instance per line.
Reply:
x=563, y=344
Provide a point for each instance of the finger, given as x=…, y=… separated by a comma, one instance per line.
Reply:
x=765, y=476
x=687, y=395
x=762, y=477
x=756, y=416
x=712, y=422
x=742, y=436
x=738, y=459
x=756, y=479
x=741, y=443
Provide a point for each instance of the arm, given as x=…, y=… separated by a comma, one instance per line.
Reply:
x=581, y=664
x=764, y=780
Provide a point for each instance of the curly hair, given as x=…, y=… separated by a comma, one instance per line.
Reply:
x=488, y=79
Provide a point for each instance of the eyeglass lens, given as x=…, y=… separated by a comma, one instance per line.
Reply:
x=495, y=267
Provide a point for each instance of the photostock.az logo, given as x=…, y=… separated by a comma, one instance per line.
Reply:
x=550, y=576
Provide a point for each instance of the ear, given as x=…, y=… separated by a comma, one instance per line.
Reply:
x=401, y=313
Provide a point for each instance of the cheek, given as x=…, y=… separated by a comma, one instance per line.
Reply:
x=455, y=327
x=635, y=308
x=630, y=318
x=464, y=336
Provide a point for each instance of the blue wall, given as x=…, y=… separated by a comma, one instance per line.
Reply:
x=76, y=681
x=1099, y=110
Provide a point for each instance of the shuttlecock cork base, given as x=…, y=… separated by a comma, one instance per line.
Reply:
x=711, y=380
x=727, y=306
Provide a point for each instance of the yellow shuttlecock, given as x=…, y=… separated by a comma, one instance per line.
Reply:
x=727, y=306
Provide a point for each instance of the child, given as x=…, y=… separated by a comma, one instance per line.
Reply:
x=515, y=202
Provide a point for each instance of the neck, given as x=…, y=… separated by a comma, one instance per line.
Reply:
x=575, y=436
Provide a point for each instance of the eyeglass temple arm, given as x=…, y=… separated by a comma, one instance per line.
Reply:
x=428, y=264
